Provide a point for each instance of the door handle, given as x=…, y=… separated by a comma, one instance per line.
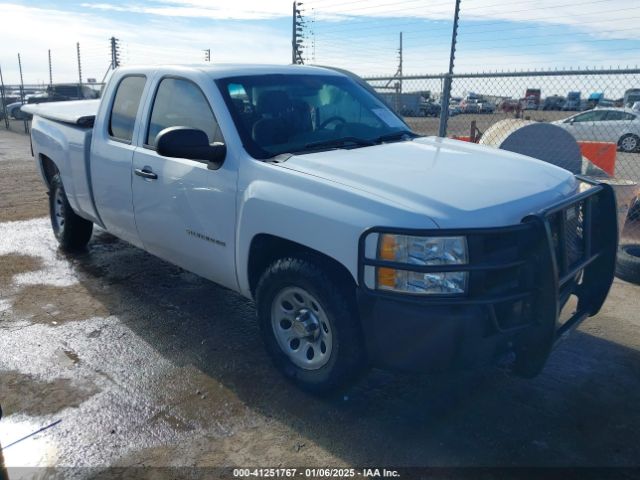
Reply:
x=146, y=172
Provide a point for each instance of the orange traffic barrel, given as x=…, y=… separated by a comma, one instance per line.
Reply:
x=602, y=154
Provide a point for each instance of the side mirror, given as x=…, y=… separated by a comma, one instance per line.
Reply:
x=570, y=121
x=190, y=143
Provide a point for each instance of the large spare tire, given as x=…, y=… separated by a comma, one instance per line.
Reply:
x=543, y=141
x=628, y=263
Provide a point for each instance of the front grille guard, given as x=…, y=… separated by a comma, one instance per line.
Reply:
x=535, y=267
x=589, y=275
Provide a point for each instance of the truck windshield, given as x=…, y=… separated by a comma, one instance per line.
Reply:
x=277, y=114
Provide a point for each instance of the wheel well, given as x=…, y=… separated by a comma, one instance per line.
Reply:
x=628, y=134
x=49, y=168
x=266, y=249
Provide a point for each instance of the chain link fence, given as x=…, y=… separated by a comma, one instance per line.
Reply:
x=554, y=110
x=594, y=107
x=83, y=70
x=598, y=109
x=13, y=96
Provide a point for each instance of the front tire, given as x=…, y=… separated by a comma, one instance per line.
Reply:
x=72, y=231
x=309, y=323
x=629, y=143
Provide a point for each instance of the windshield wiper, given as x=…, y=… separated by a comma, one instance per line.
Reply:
x=389, y=137
x=360, y=142
x=340, y=142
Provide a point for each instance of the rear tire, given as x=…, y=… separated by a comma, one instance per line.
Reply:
x=72, y=231
x=309, y=323
x=629, y=143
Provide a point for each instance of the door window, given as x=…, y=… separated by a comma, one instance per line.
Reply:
x=181, y=103
x=591, y=116
x=125, y=107
x=616, y=115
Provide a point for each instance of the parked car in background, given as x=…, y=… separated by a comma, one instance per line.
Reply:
x=64, y=92
x=616, y=125
x=631, y=96
x=470, y=105
x=605, y=103
x=408, y=104
x=595, y=99
x=60, y=92
x=430, y=109
x=554, y=102
x=573, y=102
x=509, y=105
x=486, y=106
x=14, y=96
x=13, y=111
x=531, y=100
x=529, y=103
x=11, y=96
x=454, y=107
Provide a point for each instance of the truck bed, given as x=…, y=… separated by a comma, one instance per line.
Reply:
x=62, y=132
x=78, y=112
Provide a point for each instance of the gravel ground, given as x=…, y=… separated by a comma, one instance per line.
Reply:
x=145, y=364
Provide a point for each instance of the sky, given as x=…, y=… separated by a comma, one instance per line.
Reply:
x=362, y=35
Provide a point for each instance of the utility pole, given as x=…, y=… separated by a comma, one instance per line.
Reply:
x=50, y=71
x=313, y=36
x=21, y=80
x=400, y=63
x=297, y=24
x=207, y=54
x=446, y=91
x=294, y=37
x=115, y=53
x=397, y=86
x=79, y=65
x=3, y=101
x=26, y=128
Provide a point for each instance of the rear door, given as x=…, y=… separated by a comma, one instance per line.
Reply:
x=112, y=156
x=616, y=124
x=184, y=211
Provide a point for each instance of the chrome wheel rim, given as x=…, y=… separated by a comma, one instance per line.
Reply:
x=58, y=210
x=301, y=328
x=629, y=144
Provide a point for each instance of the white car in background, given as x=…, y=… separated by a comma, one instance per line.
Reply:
x=615, y=125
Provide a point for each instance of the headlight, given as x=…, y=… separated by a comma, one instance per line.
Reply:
x=424, y=251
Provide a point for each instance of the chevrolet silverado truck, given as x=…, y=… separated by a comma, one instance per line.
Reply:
x=361, y=243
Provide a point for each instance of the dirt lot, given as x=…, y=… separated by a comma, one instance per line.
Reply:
x=144, y=364
x=21, y=192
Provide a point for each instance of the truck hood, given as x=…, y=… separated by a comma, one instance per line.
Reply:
x=456, y=184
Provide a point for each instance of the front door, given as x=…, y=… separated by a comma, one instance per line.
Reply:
x=582, y=126
x=185, y=212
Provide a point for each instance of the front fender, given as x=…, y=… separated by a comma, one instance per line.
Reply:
x=319, y=215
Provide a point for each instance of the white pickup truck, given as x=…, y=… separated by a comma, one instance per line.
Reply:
x=361, y=243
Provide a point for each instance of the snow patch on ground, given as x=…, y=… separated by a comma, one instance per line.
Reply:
x=35, y=238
